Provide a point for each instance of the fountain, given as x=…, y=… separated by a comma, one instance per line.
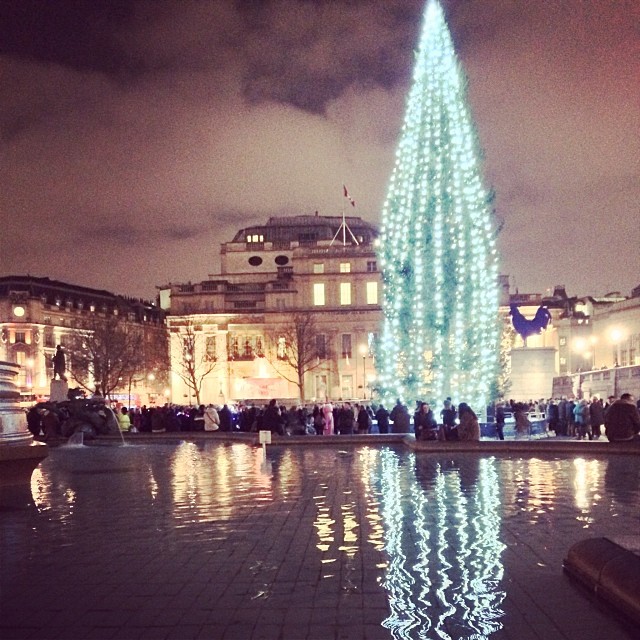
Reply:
x=19, y=454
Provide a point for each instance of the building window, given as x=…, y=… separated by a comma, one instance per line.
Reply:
x=234, y=353
x=345, y=267
x=255, y=238
x=346, y=345
x=21, y=337
x=318, y=294
x=321, y=346
x=282, y=348
x=211, y=348
x=372, y=266
x=563, y=361
x=345, y=293
x=563, y=342
x=318, y=267
x=372, y=293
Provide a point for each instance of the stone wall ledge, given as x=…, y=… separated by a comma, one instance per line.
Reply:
x=609, y=571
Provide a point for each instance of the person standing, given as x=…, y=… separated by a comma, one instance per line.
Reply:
x=563, y=419
x=329, y=425
x=226, y=418
x=622, y=420
x=382, y=418
x=211, y=419
x=346, y=420
x=124, y=422
x=552, y=416
x=400, y=417
x=500, y=418
x=597, y=417
x=363, y=420
x=582, y=419
x=272, y=419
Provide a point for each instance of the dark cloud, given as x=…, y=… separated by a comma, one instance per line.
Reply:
x=138, y=135
x=74, y=33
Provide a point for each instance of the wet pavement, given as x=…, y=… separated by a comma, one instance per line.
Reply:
x=204, y=539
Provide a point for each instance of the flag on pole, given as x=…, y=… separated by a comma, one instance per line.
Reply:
x=348, y=197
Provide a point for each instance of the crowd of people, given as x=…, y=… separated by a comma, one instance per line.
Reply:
x=617, y=418
x=344, y=418
x=582, y=419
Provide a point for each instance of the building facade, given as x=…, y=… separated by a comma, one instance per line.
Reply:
x=275, y=278
x=313, y=280
x=38, y=314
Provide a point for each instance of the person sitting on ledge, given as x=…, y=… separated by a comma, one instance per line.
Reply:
x=622, y=420
x=469, y=428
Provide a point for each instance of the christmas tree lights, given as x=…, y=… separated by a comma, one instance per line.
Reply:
x=440, y=334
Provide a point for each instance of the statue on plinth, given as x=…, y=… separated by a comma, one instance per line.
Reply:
x=59, y=364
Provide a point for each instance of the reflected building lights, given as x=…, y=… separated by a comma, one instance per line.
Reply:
x=588, y=475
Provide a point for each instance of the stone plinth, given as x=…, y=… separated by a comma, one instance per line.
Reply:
x=58, y=391
x=532, y=372
x=19, y=454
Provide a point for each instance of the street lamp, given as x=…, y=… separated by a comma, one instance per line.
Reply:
x=617, y=335
x=363, y=353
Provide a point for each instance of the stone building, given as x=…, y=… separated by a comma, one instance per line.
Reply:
x=273, y=277
x=37, y=314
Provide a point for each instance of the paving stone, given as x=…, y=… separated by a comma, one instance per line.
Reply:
x=243, y=560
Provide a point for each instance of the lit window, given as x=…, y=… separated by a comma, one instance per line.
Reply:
x=563, y=361
x=318, y=294
x=372, y=293
x=282, y=348
x=318, y=267
x=345, y=267
x=346, y=345
x=345, y=293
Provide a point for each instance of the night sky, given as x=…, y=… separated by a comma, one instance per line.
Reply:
x=136, y=136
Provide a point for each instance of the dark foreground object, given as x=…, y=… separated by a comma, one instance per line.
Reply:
x=609, y=571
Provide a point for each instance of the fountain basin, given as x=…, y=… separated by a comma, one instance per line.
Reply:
x=19, y=454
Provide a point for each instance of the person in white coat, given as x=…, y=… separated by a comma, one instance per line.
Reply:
x=211, y=419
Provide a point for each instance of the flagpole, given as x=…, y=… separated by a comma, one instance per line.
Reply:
x=343, y=226
x=344, y=223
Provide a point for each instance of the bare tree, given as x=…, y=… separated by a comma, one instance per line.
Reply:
x=105, y=353
x=195, y=359
x=296, y=343
x=152, y=364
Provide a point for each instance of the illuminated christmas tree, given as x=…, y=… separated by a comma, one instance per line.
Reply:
x=440, y=334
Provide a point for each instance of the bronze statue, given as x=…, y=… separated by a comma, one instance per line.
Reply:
x=59, y=364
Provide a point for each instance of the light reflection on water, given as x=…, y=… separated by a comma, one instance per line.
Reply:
x=442, y=531
x=430, y=530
